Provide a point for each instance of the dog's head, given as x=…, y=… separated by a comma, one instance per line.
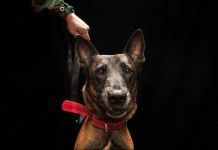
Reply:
x=112, y=79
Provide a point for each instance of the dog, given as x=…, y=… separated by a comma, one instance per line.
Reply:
x=109, y=93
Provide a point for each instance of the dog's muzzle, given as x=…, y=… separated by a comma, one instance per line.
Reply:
x=117, y=102
x=117, y=97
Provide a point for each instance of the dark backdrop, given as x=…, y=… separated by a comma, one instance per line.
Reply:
x=177, y=89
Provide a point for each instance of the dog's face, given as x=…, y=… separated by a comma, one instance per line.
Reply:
x=111, y=79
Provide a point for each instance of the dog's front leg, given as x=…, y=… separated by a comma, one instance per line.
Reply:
x=90, y=137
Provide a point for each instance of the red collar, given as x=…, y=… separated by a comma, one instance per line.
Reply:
x=77, y=108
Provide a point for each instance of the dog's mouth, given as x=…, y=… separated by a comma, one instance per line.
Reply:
x=116, y=113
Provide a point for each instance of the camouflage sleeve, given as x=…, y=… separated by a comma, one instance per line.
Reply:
x=57, y=6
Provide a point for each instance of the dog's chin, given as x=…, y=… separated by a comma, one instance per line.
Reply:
x=116, y=114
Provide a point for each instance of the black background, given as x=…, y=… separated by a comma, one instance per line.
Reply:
x=177, y=89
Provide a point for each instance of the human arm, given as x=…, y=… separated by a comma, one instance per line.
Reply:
x=75, y=25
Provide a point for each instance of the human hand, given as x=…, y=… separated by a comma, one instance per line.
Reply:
x=77, y=26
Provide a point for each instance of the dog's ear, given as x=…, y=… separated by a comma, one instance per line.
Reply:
x=85, y=49
x=135, y=47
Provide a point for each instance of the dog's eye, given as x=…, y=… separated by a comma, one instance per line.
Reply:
x=127, y=70
x=101, y=70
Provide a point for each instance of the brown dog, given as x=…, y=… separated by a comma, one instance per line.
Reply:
x=109, y=93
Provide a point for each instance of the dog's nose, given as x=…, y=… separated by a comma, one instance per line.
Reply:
x=117, y=97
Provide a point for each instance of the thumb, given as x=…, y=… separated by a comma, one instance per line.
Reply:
x=86, y=35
